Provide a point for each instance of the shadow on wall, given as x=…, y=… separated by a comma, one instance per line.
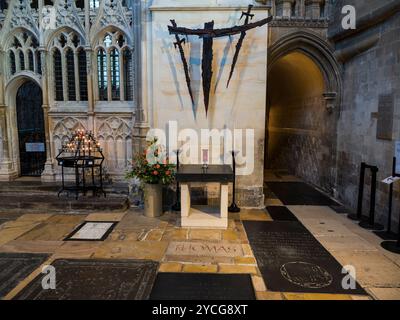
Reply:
x=301, y=137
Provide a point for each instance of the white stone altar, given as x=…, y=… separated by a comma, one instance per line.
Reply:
x=205, y=216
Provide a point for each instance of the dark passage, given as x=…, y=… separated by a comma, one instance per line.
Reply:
x=31, y=131
x=299, y=193
x=194, y=286
x=292, y=260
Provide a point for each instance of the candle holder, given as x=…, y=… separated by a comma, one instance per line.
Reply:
x=234, y=207
x=82, y=153
x=177, y=205
x=205, y=159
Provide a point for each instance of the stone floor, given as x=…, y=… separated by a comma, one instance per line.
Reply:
x=211, y=251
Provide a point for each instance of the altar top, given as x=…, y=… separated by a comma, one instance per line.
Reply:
x=196, y=173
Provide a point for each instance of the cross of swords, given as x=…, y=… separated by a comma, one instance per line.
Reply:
x=208, y=34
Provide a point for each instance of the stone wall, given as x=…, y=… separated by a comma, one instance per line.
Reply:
x=369, y=73
x=241, y=106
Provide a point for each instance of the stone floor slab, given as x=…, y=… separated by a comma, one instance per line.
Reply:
x=373, y=269
x=210, y=235
x=254, y=215
x=95, y=280
x=39, y=246
x=385, y=293
x=316, y=296
x=200, y=268
x=148, y=250
x=15, y=267
x=49, y=232
x=112, y=216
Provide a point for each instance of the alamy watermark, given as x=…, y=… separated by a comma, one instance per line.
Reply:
x=349, y=21
x=49, y=280
x=192, y=143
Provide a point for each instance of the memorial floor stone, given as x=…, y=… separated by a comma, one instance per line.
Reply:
x=95, y=280
x=299, y=193
x=92, y=231
x=202, y=286
x=15, y=267
x=220, y=249
x=292, y=260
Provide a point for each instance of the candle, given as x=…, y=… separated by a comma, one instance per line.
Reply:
x=205, y=156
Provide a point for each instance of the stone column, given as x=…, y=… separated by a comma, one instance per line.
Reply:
x=48, y=174
x=90, y=88
x=7, y=170
x=313, y=8
x=284, y=7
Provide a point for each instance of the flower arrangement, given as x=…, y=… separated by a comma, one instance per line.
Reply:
x=152, y=166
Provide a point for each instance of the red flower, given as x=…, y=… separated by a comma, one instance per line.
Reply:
x=168, y=173
x=155, y=172
x=158, y=166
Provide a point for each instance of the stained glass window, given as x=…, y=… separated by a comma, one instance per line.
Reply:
x=12, y=62
x=71, y=75
x=115, y=74
x=58, y=75
x=128, y=76
x=102, y=74
x=82, y=75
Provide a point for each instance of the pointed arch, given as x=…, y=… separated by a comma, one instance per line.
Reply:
x=318, y=50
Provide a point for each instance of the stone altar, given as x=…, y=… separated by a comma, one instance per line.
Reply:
x=204, y=216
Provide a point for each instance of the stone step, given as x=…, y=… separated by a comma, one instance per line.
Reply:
x=35, y=187
x=45, y=203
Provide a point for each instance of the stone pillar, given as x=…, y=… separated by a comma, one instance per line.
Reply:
x=313, y=8
x=48, y=174
x=90, y=88
x=284, y=8
x=7, y=169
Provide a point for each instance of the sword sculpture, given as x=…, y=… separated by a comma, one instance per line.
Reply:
x=248, y=16
x=178, y=44
x=208, y=34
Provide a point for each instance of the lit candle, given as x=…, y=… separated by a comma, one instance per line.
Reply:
x=205, y=156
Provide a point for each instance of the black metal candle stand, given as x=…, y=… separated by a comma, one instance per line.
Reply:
x=177, y=205
x=234, y=207
x=82, y=153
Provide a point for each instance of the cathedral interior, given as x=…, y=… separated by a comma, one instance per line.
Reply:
x=322, y=101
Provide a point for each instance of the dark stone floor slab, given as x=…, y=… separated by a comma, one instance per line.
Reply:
x=15, y=267
x=281, y=213
x=91, y=279
x=384, y=235
x=340, y=209
x=299, y=193
x=292, y=260
x=202, y=286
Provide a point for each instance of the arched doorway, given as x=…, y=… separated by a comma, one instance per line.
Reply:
x=31, y=130
x=301, y=130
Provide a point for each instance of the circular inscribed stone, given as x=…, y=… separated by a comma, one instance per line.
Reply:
x=306, y=275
